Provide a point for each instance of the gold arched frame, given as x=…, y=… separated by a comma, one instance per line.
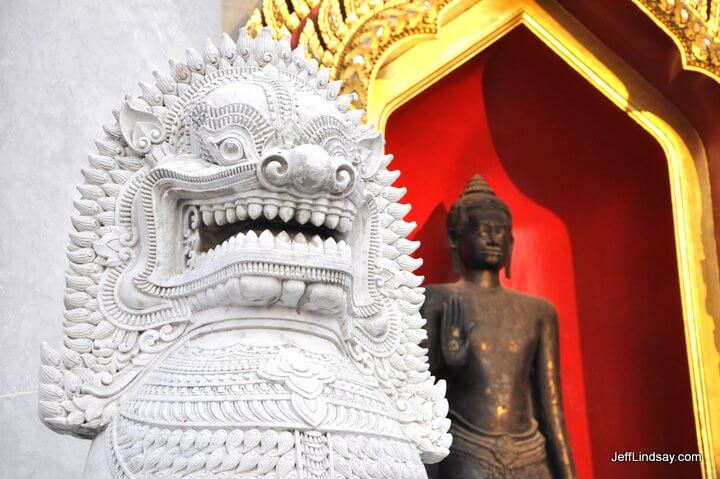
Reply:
x=466, y=28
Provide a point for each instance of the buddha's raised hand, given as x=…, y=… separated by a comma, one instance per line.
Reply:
x=454, y=337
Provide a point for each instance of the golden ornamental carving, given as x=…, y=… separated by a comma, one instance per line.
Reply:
x=350, y=36
x=694, y=25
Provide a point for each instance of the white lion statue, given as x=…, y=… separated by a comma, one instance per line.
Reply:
x=240, y=299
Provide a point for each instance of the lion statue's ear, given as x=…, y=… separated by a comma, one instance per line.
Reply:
x=140, y=129
x=371, y=154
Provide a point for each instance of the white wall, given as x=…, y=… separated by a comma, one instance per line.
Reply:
x=64, y=64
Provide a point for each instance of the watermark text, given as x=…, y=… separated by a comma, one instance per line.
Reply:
x=636, y=456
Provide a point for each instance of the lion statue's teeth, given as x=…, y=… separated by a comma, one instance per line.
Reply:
x=241, y=297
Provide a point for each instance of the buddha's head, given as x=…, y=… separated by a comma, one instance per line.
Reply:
x=479, y=229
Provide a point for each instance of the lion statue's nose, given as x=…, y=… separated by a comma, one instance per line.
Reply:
x=309, y=169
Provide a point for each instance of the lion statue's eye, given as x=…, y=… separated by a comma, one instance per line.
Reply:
x=231, y=150
x=225, y=146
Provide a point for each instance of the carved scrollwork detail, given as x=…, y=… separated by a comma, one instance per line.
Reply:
x=140, y=129
x=112, y=249
x=156, y=340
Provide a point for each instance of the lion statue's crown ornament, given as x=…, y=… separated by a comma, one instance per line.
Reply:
x=240, y=298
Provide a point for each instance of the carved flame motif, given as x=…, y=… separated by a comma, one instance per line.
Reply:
x=240, y=264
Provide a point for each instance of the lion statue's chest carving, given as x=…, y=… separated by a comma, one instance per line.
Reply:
x=249, y=411
x=240, y=297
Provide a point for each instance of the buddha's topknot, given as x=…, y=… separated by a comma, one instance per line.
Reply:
x=477, y=194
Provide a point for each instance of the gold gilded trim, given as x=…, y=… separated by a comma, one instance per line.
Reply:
x=694, y=26
x=351, y=37
x=388, y=52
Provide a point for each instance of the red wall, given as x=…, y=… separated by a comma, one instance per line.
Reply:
x=593, y=226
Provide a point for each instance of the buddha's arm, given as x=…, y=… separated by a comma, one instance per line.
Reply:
x=547, y=378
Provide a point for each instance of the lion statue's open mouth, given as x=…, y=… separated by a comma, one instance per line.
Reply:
x=240, y=294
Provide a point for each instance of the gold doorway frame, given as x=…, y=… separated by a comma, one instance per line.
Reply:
x=388, y=52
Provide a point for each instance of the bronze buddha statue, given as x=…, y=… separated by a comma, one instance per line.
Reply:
x=498, y=350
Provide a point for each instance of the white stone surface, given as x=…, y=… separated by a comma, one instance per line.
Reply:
x=240, y=294
x=63, y=66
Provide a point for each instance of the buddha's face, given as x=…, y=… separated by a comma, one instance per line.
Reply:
x=486, y=241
